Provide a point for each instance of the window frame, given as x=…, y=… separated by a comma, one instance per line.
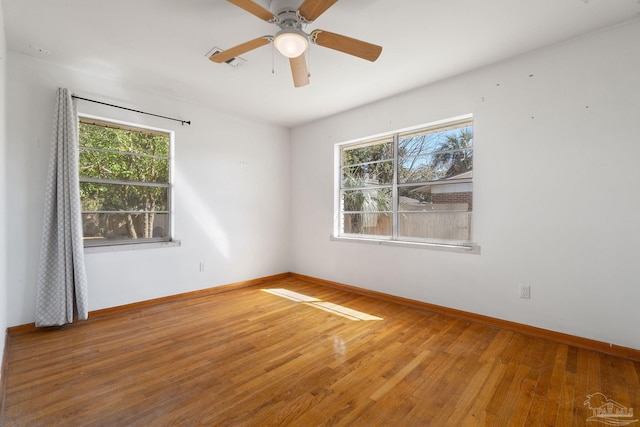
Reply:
x=105, y=245
x=394, y=239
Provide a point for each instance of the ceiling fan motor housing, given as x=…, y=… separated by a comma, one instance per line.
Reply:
x=278, y=6
x=289, y=19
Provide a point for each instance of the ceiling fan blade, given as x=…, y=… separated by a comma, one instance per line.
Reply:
x=312, y=9
x=254, y=9
x=228, y=54
x=345, y=44
x=299, y=71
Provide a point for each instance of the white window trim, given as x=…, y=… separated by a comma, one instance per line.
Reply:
x=131, y=246
x=469, y=248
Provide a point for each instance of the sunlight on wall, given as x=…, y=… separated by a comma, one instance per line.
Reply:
x=203, y=216
x=322, y=305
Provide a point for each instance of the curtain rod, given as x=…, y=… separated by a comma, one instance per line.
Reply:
x=135, y=111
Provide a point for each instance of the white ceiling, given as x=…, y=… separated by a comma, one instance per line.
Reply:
x=160, y=45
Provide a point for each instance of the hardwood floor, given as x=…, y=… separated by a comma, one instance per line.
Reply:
x=255, y=358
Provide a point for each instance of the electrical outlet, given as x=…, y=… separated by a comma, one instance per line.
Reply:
x=202, y=268
x=525, y=291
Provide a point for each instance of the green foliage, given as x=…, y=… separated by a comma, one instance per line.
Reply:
x=132, y=158
x=366, y=166
x=367, y=172
x=455, y=154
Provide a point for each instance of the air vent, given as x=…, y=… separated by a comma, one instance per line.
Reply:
x=233, y=62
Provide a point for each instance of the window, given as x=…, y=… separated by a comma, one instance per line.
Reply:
x=125, y=186
x=413, y=186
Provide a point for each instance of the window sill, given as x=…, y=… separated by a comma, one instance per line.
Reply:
x=473, y=249
x=131, y=247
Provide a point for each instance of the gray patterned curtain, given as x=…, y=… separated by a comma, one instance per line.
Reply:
x=62, y=281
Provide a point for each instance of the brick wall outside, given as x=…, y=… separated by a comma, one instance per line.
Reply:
x=445, y=198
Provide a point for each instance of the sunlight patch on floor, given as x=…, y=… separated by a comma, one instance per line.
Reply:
x=293, y=296
x=330, y=307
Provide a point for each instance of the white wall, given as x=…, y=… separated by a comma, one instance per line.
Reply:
x=231, y=192
x=556, y=200
x=3, y=186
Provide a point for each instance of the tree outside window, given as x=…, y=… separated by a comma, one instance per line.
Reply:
x=124, y=183
x=412, y=186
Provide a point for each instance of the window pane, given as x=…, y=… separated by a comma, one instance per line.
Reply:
x=436, y=197
x=415, y=145
x=429, y=141
x=368, y=174
x=435, y=211
x=367, y=153
x=122, y=226
x=435, y=225
x=434, y=155
x=374, y=200
x=376, y=224
x=115, y=197
x=114, y=138
x=451, y=165
x=123, y=167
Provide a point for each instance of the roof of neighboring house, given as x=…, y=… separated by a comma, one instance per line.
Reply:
x=461, y=177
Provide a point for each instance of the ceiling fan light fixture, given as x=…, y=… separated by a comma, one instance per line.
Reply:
x=291, y=42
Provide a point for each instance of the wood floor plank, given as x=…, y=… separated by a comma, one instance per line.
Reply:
x=248, y=357
x=459, y=404
x=477, y=413
x=539, y=397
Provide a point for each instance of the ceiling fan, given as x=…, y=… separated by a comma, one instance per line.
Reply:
x=291, y=41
